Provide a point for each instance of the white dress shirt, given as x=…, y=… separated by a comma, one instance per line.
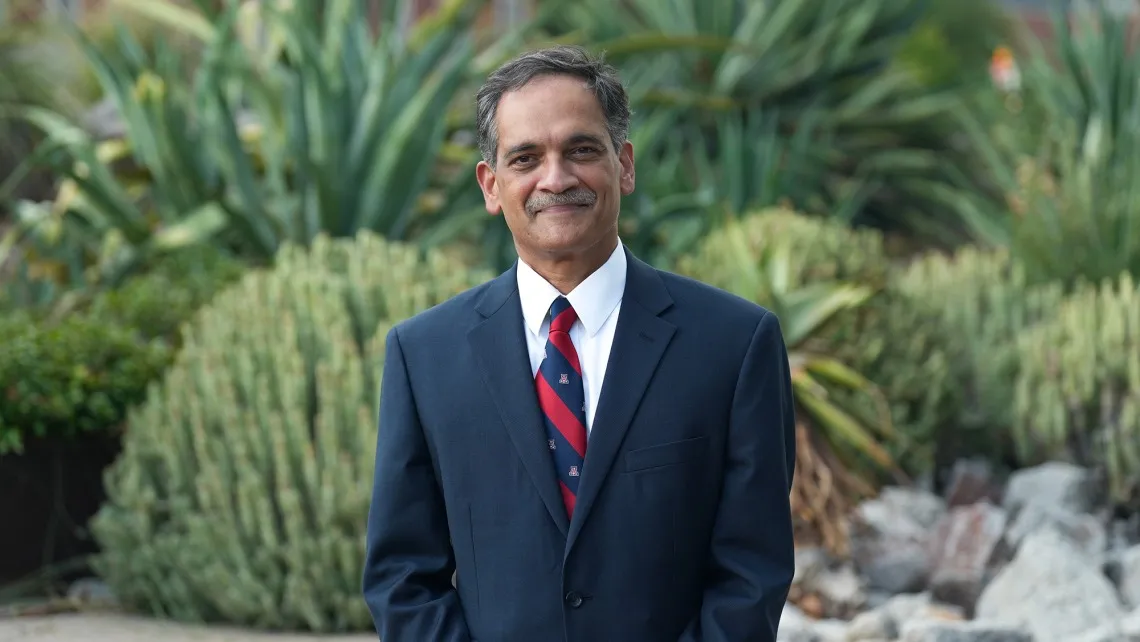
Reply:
x=597, y=302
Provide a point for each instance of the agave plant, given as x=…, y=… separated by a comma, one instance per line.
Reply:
x=883, y=135
x=334, y=130
x=840, y=455
x=1066, y=149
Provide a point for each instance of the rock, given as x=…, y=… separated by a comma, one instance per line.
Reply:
x=1050, y=589
x=964, y=547
x=812, y=605
x=974, y=631
x=810, y=562
x=971, y=481
x=842, y=591
x=1128, y=576
x=875, y=599
x=795, y=626
x=1126, y=630
x=1086, y=531
x=871, y=625
x=91, y=591
x=1059, y=484
x=906, y=607
x=919, y=606
x=921, y=507
x=830, y=630
x=885, y=621
x=796, y=633
x=890, y=545
x=821, y=591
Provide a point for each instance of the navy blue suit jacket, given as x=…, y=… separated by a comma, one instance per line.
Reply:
x=682, y=530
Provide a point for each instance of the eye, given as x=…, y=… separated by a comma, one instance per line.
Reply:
x=583, y=151
x=521, y=159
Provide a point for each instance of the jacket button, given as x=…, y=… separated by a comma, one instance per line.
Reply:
x=573, y=599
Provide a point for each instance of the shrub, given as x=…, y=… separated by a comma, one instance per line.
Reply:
x=80, y=373
x=157, y=304
x=242, y=491
x=824, y=251
x=978, y=302
x=75, y=376
x=882, y=338
x=1077, y=393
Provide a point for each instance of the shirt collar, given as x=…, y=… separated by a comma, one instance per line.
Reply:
x=594, y=300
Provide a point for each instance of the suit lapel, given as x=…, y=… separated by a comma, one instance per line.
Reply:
x=500, y=347
x=640, y=340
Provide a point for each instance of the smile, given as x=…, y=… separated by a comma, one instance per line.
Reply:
x=562, y=209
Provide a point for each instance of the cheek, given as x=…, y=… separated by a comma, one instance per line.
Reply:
x=518, y=191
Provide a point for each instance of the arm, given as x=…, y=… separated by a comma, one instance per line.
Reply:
x=751, y=557
x=408, y=560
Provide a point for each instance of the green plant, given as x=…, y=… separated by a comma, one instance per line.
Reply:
x=883, y=144
x=65, y=371
x=1065, y=146
x=242, y=490
x=951, y=46
x=824, y=251
x=40, y=68
x=840, y=455
x=690, y=179
x=882, y=338
x=158, y=302
x=978, y=302
x=1078, y=387
x=330, y=130
x=77, y=376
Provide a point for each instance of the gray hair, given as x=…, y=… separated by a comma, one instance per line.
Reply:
x=560, y=60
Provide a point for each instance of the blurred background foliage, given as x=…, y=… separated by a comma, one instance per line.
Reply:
x=938, y=203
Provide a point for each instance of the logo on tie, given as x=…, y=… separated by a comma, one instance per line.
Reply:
x=573, y=471
x=564, y=379
x=550, y=442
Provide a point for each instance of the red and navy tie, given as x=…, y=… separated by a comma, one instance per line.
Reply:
x=562, y=398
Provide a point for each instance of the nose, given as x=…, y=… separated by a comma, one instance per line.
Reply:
x=557, y=177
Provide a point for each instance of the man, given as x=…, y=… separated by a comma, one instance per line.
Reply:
x=599, y=451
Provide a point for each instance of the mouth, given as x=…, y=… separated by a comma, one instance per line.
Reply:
x=562, y=209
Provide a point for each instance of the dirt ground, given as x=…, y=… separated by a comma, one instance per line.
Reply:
x=111, y=627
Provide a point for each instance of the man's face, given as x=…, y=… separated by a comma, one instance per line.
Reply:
x=558, y=179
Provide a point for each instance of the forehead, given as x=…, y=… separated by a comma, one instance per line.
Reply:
x=548, y=110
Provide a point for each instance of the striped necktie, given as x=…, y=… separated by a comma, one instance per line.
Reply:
x=562, y=398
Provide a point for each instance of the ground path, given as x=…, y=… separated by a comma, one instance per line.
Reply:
x=114, y=627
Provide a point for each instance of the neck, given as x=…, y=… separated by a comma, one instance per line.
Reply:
x=566, y=272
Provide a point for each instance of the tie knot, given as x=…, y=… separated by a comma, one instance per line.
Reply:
x=562, y=315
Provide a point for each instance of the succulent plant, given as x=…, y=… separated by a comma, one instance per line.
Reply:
x=242, y=491
x=1077, y=394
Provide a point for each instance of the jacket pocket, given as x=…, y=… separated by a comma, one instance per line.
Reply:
x=668, y=454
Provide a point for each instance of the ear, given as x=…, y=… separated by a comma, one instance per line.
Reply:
x=490, y=187
x=625, y=157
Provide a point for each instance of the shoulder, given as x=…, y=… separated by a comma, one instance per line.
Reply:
x=448, y=318
x=703, y=304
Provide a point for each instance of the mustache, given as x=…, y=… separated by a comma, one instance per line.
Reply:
x=576, y=196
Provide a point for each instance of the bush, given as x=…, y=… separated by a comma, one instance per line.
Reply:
x=157, y=304
x=978, y=302
x=824, y=251
x=1078, y=388
x=882, y=339
x=76, y=376
x=63, y=377
x=242, y=491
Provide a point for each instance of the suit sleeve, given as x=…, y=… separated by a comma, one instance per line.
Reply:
x=751, y=558
x=408, y=563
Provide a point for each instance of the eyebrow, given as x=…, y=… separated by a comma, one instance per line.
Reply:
x=577, y=138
